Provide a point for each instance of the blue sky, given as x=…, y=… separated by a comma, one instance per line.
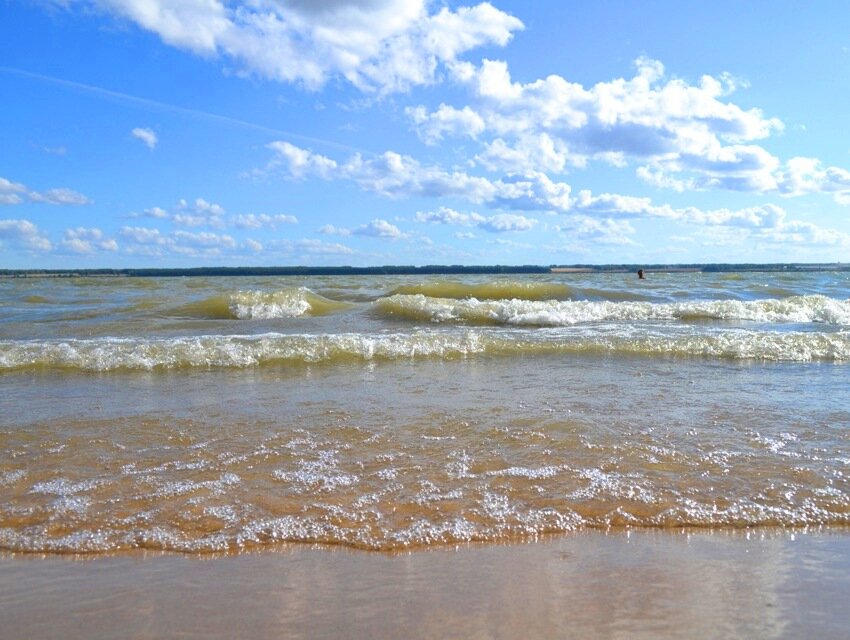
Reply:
x=371, y=132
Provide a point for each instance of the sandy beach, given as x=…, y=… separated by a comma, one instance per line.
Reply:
x=637, y=584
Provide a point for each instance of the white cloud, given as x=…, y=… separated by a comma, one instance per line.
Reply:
x=204, y=239
x=540, y=151
x=396, y=176
x=376, y=45
x=12, y=193
x=143, y=236
x=502, y=222
x=23, y=234
x=445, y=215
x=198, y=213
x=201, y=206
x=331, y=230
x=445, y=121
x=253, y=245
x=498, y=223
x=59, y=196
x=147, y=136
x=156, y=212
x=684, y=135
x=317, y=247
x=87, y=241
x=379, y=229
x=152, y=242
x=605, y=231
x=259, y=221
x=300, y=163
x=807, y=175
x=766, y=222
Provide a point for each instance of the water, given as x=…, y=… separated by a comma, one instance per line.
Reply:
x=391, y=412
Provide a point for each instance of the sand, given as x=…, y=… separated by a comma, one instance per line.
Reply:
x=640, y=584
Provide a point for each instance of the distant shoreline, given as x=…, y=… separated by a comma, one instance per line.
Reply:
x=425, y=270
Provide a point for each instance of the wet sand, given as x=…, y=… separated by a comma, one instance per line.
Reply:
x=639, y=584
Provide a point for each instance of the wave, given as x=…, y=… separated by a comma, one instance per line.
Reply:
x=328, y=529
x=512, y=290
x=554, y=313
x=241, y=351
x=261, y=305
x=362, y=511
x=497, y=290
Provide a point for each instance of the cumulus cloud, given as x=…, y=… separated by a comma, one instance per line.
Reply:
x=507, y=222
x=396, y=176
x=379, y=229
x=766, y=222
x=801, y=176
x=331, y=230
x=153, y=242
x=23, y=234
x=498, y=223
x=300, y=163
x=376, y=45
x=190, y=214
x=263, y=220
x=446, y=215
x=253, y=245
x=679, y=135
x=87, y=241
x=12, y=193
x=316, y=247
x=604, y=231
x=147, y=136
x=445, y=121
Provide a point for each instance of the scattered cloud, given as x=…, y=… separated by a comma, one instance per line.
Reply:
x=331, y=230
x=12, y=193
x=52, y=151
x=262, y=220
x=147, y=136
x=498, y=223
x=153, y=242
x=396, y=176
x=507, y=222
x=87, y=241
x=316, y=247
x=23, y=234
x=605, y=231
x=379, y=229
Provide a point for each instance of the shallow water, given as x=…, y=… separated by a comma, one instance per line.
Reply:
x=222, y=414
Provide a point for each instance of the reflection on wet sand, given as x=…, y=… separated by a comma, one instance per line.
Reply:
x=764, y=584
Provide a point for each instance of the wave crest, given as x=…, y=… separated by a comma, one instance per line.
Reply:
x=262, y=305
x=222, y=351
x=554, y=313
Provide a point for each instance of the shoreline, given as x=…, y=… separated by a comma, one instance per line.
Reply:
x=636, y=584
x=429, y=270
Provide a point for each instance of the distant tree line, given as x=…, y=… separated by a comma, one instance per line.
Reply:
x=411, y=270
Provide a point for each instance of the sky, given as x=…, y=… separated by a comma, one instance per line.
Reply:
x=148, y=133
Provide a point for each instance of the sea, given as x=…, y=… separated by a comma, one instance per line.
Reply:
x=401, y=412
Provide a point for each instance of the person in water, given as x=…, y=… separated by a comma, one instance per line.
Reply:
x=640, y=274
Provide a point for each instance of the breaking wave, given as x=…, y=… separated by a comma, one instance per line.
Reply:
x=227, y=351
x=554, y=313
x=261, y=305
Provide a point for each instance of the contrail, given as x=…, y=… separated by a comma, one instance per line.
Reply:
x=164, y=106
